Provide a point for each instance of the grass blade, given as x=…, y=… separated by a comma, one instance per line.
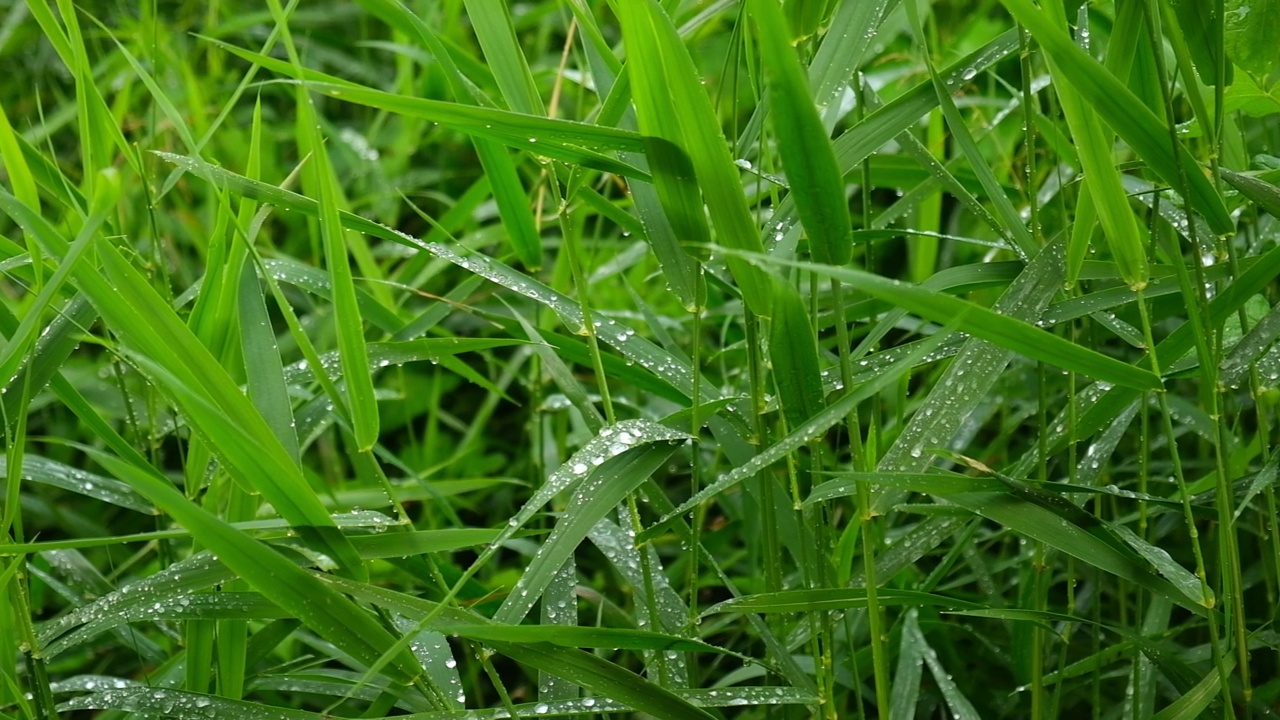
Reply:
x=1007, y=332
x=320, y=607
x=573, y=142
x=673, y=108
x=236, y=430
x=803, y=144
x=1128, y=116
x=596, y=496
x=794, y=356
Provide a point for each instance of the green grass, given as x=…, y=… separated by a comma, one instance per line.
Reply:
x=473, y=359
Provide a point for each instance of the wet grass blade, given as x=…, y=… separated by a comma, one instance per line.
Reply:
x=220, y=410
x=1261, y=192
x=599, y=675
x=320, y=607
x=835, y=412
x=596, y=496
x=803, y=144
x=320, y=181
x=794, y=355
x=1007, y=332
x=573, y=142
x=792, y=601
x=1128, y=116
x=350, y=324
x=263, y=371
x=673, y=107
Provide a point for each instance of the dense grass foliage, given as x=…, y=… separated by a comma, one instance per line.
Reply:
x=680, y=359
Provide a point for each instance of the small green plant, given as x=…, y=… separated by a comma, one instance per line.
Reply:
x=759, y=359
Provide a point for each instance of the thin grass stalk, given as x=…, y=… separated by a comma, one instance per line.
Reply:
x=573, y=255
x=1207, y=342
x=1029, y=131
x=1215, y=640
x=650, y=589
x=1055, y=701
x=485, y=654
x=18, y=588
x=1040, y=600
x=1269, y=520
x=695, y=461
x=769, y=543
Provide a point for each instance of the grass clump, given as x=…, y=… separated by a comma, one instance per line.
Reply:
x=611, y=359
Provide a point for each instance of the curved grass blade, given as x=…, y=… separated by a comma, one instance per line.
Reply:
x=824, y=599
x=1261, y=192
x=316, y=281
x=888, y=122
x=1194, y=702
x=597, y=674
x=669, y=368
x=960, y=706
x=583, y=637
x=167, y=702
x=50, y=472
x=1052, y=527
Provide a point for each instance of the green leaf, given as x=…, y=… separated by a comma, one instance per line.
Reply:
x=1127, y=115
x=675, y=112
x=793, y=352
x=1252, y=34
x=803, y=144
x=1007, y=332
x=214, y=403
x=296, y=591
x=573, y=142
x=1247, y=96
